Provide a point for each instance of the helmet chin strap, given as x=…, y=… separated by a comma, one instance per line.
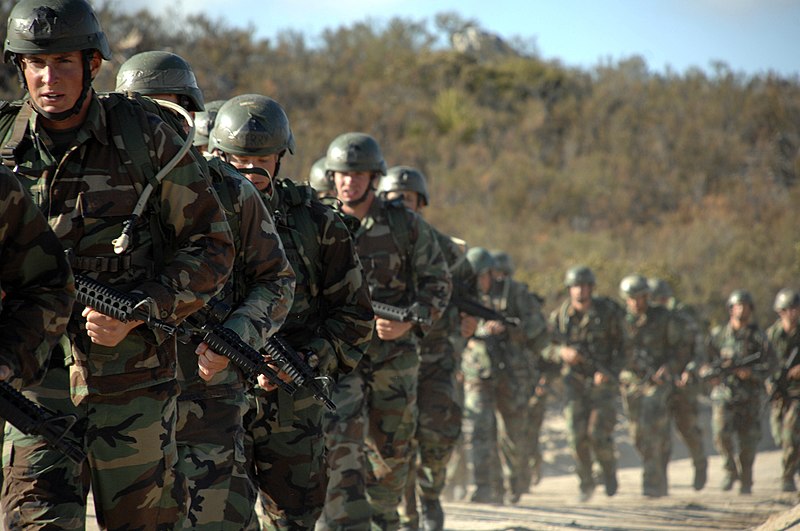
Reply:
x=358, y=201
x=75, y=109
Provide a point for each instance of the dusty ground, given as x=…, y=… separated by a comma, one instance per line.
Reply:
x=553, y=504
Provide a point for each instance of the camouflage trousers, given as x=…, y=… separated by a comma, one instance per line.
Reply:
x=130, y=443
x=286, y=450
x=685, y=413
x=438, y=430
x=458, y=472
x=212, y=458
x=737, y=420
x=368, y=438
x=647, y=408
x=591, y=415
x=537, y=405
x=785, y=425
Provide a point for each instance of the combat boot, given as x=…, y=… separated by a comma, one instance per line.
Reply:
x=747, y=481
x=484, y=494
x=728, y=480
x=432, y=515
x=700, y=475
x=610, y=481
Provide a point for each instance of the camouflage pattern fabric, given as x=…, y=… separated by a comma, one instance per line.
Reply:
x=210, y=426
x=655, y=339
x=388, y=375
x=330, y=321
x=736, y=403
x=590, y=409
x=36, y=283
x=88, y=195
x=440, y=412
x=785, y=412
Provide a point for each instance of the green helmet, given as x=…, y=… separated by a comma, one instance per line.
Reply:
x=251, y=125
x=740, y=296
x=633, y=286
x=785, y=299
x=659, y=288
x=317, y=178
x=159, y=72
x=355, y=152
x=578, y=275
x=503, y=262
x=204, y=122
x=54, y=26
x=480, y=259
x=405, y=179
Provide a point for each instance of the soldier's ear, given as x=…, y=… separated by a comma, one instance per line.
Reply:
x=95, y=63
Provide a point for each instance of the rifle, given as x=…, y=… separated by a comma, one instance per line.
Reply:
x=295, y=366
x=396, y=313
x=476, y=309
x=114, y=303
x=586, y=351
x=781, y=383
x=723, y=367
x=206, y=326
x=31, y=419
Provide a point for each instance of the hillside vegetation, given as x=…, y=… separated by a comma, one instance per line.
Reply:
x=691, y=176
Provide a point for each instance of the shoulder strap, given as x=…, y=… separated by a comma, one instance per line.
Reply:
x=397, y=215
x=302, y=229
x=13, y=115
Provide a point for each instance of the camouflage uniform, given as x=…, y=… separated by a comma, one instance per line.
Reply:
x=440, y=412
x=331, y=318
x=124, y=396
x=36, y=288
x=590, y=409
x=655, y=342
x=736, y=409
x=211, y=432
x=785, y=417
x=369, y=436
x=498, y=378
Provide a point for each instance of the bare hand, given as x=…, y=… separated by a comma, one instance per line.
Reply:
x=391, y=330
x=794, y=373
x=105, y=330
x=570, y=356
x=601, y=378
x=468, y=325
x=266, y=385
x=684, y=379
x=5, y=373
x=495, y=327
x=743, y=373
x=209, y=363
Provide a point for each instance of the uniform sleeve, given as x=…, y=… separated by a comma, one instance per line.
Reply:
x=347, y=327
x=36, y=282
x=269, y=277
x=430, y=272
x=195, y=224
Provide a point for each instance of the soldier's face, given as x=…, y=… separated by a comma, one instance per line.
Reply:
x=789, y=317
x=351, y=186
x=580, y=296
x=266, y=162
x=485, y=282
x=55, y=82
x=410, y=199
x=741, y=312
x=636, y=305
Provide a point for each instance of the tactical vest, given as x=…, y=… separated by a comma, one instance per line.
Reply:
x=135, y=155
x=224, y=179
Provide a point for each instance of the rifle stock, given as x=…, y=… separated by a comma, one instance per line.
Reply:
x=31, y=419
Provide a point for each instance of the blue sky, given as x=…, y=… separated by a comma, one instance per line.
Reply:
x=750, y=36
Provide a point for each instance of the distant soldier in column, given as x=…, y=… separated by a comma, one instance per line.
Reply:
x=204, y=123
x=655, y=338
x=784, y=385
x=370, y=435
x=439, y=423
x=329, y=323
x=683, y=404
x=319, y=181
x=589, y=340
x=738, y=389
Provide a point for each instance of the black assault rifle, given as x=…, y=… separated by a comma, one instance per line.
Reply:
x=31, y=419
x=780, y=385
x=114, y=303
x=295, y=366
x=723, y=367
x=206, y=325
x=476, y=309
x=396, y=313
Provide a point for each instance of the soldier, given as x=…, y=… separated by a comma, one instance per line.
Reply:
x=784, y=335
x=319, y=181
x=589, y=339
x=683, y=403
x=329, y=323
x=439, y=422
x=654, y=336
x=369, y=436
x=737, y=393
x=36, y=286
x=204, y=123
x=87, y=161
x=531, y=346
x=257, y=298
